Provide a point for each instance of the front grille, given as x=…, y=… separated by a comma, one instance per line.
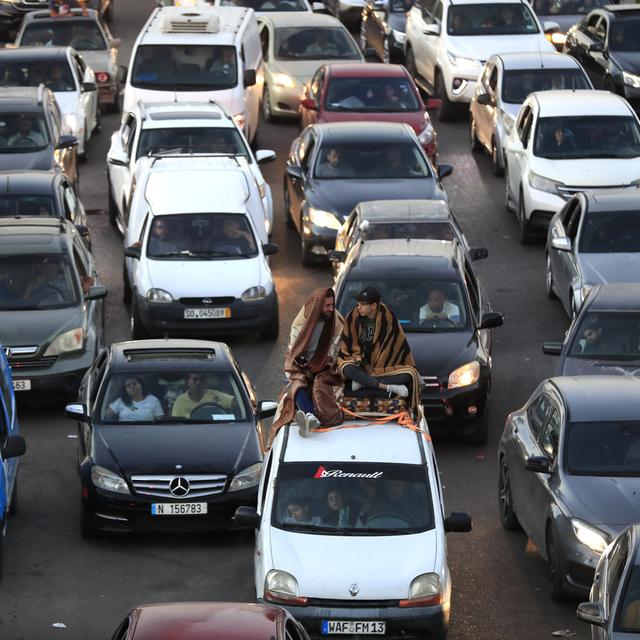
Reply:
x=352, y=603
x=431, y=382
x=159, y=485
x=210, y=301
x=37, y=363
x=567, y=192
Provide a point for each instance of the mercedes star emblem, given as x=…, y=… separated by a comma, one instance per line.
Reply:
x=179, y=487
x=354, y=589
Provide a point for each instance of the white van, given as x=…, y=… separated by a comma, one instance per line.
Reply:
x=195, y=55
x=350, y=531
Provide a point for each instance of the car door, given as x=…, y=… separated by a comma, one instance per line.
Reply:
x=74, y=209
x=418, y=18
x=133, y=265
x=429, y=59
x=88, y=96
x=299, y=157
x=486, y=112
x=598, y=64
x=88, y=394
x=86, y=268
x=591, y=36
x=316, y=91
x=518, y=156
x=566, y=263
x=613, y=579
x=121, y=162
x=376, y=11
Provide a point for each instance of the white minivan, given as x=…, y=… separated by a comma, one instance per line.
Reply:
x=350, y=531
x=196, y=55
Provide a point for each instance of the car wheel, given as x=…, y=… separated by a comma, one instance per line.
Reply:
x=138, y=331
x=266, y=105
x=508, y=517
x=480, y=433
x=271, y=330
x=557, y=585
x=98, y=126
x=476, y=147
x=410, y=64
x=287, y=207
x=13, y=503
x=305, y=247
x=448, y=110
x=495, y=160
x=112, y=208
x=126, y=286
x=525, y=225
x=548, y=281
x=508, y=200
x=87, y=530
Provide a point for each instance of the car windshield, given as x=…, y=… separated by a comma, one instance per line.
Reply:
x=490, y=19
x=607, y=335
x=347, y=498
x=185, y=67
x=574, y=137
x=611, y=232
x=624, y=35
x=82, y=35
x=517, y=85
x=603, y=448
x=383, y=95
x=54, y=74
x=22, y=133
x=421, y=305
x=30, y=281
x=566, y=7
x=201, y=236
x=378, y=160
x=17, y=205
x=314, y=43
x=627, y=619
x=414, y=230
x=226, y=141
x=264, y=6
x=197, y=396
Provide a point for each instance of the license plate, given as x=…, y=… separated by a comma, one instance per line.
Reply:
x=22, y=385
x=207, y=314
x=179, y=509
x=372, y=627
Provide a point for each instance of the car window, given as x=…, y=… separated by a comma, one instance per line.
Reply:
x=19, y=205
x=573, y=221
x=267, y=5
x=314, y=43
x=265, y=479
x=292, y=632
x=316, y=84
x=7, y=397
x=436, y=230
x=624, y=35
x=522, y=119
x=550, y=439
x=627, y=619
x=264, y=41
x=537, y=413
x=437, y=13
x=591, y=23
x=306, y=153
x=615, y=569
x=611, y=232
x=607, y=335
x=71, y=203
x=472, y=288
x=526, y=130
x=565, y=7
x=426, y=8
x=601, y=30
x=96, y=377
x=82, y=35
x=302, y=149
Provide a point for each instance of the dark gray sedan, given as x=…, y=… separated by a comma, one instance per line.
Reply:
x=570, y=472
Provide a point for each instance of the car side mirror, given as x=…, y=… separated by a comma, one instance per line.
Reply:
x=118, y=160
x=249, y=77
x=479, y=253
x=267, y=409
x=115, y=43
x=491, y=319
x=309, y=103
x=269, y=248
x=89, y=86
x=591, y=612
x=444, y=170
x=335, y=255
x=458, y=522
x=539, y=464
x=132, y=252
x=14, y=447
x=561, y=244
x=67, y=142
x=596, y=47
x=264, y=156
x=431, y=30
x=97, y=292
x=295, y=171
x=552, y=348
x=485, y=99
x=247, y=517
x=318, y=7
x=76, y=411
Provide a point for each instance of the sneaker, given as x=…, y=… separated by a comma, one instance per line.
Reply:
x=398, y=390
x=355, y=386
x=301, y=421
x=312, y=421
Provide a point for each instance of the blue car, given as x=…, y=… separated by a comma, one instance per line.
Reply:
x=12, y=446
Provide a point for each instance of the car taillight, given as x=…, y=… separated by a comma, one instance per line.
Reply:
x=102, y=76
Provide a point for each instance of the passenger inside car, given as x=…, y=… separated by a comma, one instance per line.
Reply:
x=133, y=404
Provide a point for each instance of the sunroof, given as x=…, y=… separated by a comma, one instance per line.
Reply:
x=139, y=355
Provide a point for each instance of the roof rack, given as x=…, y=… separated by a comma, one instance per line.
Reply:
x=172, y=156
x=168, y=353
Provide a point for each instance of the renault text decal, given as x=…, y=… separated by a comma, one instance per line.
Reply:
x=322, y=472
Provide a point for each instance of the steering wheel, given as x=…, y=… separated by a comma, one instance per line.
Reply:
x=47, y=290
x=205, y=410
x=227, y=247
x=386, y=515
x=437, y=322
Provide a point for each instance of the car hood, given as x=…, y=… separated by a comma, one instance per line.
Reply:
x=598, y=500
x=325, y=566
x=415, y=119
x=340, y=196
x=38, y=160
x=438, y=354
x=589, y=172
x=565, y=22
x=97, y=60
x=200, y=449
x=67, y=101
x=609, y=267
x=483, y=47
x=37, y=327
x=627, y=60
x=587, y=367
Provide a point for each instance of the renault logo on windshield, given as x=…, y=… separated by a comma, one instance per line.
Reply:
x=354, y=589
x=179, y=487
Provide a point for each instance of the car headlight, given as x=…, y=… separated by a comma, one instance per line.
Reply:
x=399, y=36
x=591, y=537
x=465, y=375
x=159, y=295
x=461, y=60
x=324, y=219
x=631, y=80
x=108, y=480
x=543, y=184
x=556, y=38
x=67, y=342
x=280, y=586
x=284, y=80
x=240, y=119
x=254, y=293
x=426, y=135
x=70, y=122
x=247, y=478
x=425, y=590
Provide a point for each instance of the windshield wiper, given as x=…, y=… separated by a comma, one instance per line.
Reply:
x=307, y=528
x=381, y=531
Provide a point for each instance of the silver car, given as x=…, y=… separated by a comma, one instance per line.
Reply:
x=569, y=476
x=594, y=238
x=504, y=83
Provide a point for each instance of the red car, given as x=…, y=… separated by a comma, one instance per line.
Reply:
x=370, y=92
x=210, y=621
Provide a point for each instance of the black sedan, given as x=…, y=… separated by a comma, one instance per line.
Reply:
x=604, y=339
x=332, y=167
x=170, y=437
x=382, y=29
x=607, y=45
x=432, y=288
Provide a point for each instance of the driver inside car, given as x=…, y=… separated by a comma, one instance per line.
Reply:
x=439, y=308
x=49, y=280
x=234, y=236
x=196, y=394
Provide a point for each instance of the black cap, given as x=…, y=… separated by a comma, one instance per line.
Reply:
x=369, y=294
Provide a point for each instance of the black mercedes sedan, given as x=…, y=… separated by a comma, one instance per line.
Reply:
x=432, y=288
x=333, y=167
x=607, y=45
x=170, y=437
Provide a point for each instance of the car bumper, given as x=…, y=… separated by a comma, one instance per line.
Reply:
x=466, y=89
x=107, y=93
x=541, y=207
x=285, y=103
x=578, y=561
x=454, y=408
x=321, y=239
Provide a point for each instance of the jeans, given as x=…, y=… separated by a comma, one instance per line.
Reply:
x=359, y=375
x=303, y=401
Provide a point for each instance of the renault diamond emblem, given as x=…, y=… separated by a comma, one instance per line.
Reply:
x=354, y=590
x=179, y=487
x=207, y=301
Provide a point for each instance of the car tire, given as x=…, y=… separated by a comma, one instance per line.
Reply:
x=410, y=65
x=138, y=330
x=495, y=160
x=548, y=281
x=480, y=433
x=112, y=209
x=305, y=250
x=272, y=329
x=126, y=286
x=98, y=126
x=508, y=517
x=474, y=143
x=13, y=503
x=267, y=115
x=448, y=110
x=508, y=200
x=557, y=584
x=87, y=530
x=287, y=207
x=525, y=234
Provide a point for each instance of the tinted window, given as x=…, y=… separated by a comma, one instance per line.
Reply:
x=607, y=335
x=314, y=43
x=22, y=133
x=550, y=439
x=388, y=95
x=82, y=35
x=54, y=74
x=565, y=7
x=517, y=85
x=624, y=35
x=191, y=140
x=537, y=413
x=363, y=498
x=265, y=6
x=490, y=19
x=27, y=206
x=611, y=232
x=185, y=68
x=415, y=230
x=628, y=618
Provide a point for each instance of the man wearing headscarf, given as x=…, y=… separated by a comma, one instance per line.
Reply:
x=310, y=365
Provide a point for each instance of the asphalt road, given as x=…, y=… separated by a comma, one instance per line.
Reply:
x=52, y=575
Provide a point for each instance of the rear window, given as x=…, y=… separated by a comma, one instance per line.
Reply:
x=82, y=35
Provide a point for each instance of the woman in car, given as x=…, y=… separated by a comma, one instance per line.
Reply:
x=134, y=404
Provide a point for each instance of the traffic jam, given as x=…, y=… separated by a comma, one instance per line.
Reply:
x=281, y=277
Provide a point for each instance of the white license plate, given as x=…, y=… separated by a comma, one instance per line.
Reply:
x=179, y=508
x=372, y=627
x=22, y=385
x=207, y=314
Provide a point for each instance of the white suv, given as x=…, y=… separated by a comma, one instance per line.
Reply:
x=179, y=129
x=448, y=42
x=351, y=531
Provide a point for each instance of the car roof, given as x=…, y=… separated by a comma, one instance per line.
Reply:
x=388, y=443
x=537, y=60
x=207, y=620
x=584, y=102
x=283, y=19
x=35, y=53
x=595, y=398
x=613, y=200
x=23, y=98
x=363, y=131
x=45, y=16
x=33, y=235
x=366, y=70
x=614, y=296
x=28, y=182
x=403, y=210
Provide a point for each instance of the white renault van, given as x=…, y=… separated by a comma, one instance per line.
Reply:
x=350, y=532
x=197, y=54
